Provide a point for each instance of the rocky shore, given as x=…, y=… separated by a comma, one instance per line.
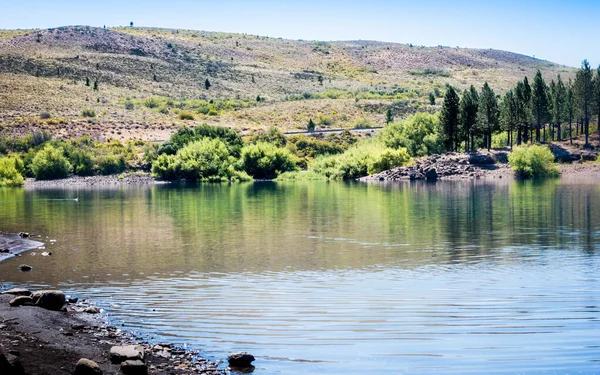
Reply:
x=450, y=166
x=132, y=179
x=49, y=333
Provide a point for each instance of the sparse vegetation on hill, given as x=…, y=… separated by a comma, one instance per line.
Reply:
x=145, y=78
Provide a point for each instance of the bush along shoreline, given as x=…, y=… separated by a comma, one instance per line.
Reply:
x=207, y=153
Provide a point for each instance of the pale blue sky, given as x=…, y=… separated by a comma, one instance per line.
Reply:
x=561, y=31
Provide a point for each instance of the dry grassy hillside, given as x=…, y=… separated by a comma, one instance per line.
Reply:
x=146, y=77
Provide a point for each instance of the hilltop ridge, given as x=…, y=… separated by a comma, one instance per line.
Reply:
x=255, y=82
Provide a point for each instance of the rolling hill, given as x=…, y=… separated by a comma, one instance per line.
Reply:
x=138, y=81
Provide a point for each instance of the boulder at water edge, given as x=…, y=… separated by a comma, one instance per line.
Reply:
x=240, y=360
x=136, y=367
x=120, y=354
x=49, y=299
x=18, y=292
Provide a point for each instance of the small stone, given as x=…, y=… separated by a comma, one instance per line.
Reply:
x=24, y=234
x=20, y=301
x=24, y=268
x=119, y=354
x=87, y=367
x=134, y=367
x=18, y=292
x=240, y=360
x=77, y=327
x=92, y=310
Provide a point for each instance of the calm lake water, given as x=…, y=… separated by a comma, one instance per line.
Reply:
x=335, y=278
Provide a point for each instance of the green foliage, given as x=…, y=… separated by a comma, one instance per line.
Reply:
x=432, y=98
x=418, y=134
x=300, y=176
x=205, y=160
x=88, y=113
x=488, y=115
x=449, y=118
x=389, y=116
x=50, y=163
x=207, y=84
x=186, y=135
x=364, y=158
x=82, y=162
x=45, y=116
x=430, y=72
x=151, y=103
x=362, y=123
x=183, y=115
x=265, y=160
x=110, y=164
x=273, y=135
x=11, y=169
x=311, y=126
x=533, y=161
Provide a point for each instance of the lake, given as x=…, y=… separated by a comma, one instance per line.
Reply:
x=334, y=278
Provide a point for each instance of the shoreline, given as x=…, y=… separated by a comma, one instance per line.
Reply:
x=47, y=342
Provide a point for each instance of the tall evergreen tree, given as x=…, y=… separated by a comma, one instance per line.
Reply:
x=539, y=104
x=597, y=95
x=523, y=112
x=449, y=118
x=584, y=95
x=488, y=114
x=570, y=109
x=509, y=114
x=559, y=103
x=527, y=95
x=468, y=116
x=389, y=116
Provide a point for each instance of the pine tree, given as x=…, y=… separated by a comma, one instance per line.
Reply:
x=311, y=126
x=527, y=95
x=488, y=114
x=570, y=109
x=468, y=116
x=540, y=104
x=207, y=84
x=559, y=99
x=96, y=85
x=597, y=95
x=431, y=98
x=583, y=94
x=87, y=81
x=509, y=114
x=389, y=116
x=449, y=118
x=258, y=99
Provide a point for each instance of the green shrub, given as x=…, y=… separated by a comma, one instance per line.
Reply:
x=11, y=169
x=50, y=163
x=129, y=105
x=45, y=115
x=164, y=110
x=300, y=176
x=418, y=134
x=273, y=135
x=205, y=159
x=265, y=160
x=151, y=103
x=82, y=162
x=533, y=161
x=185, y=135
x=184, y=115
x=365, y=158
x=213, y=112
x=88, y=113
x=110, y=164
x=362, y=124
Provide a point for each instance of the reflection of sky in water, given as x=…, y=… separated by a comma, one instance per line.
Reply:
x=336, y=278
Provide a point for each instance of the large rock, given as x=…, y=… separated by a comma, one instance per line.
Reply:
x=240, y=360
x=477, y=158
x=49, y=299
x=20, y=301
x=87, y=367
x=131, y=367
x=18, y=292
x=431, y=174
x=120, y=354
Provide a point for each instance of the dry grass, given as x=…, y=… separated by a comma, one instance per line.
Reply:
x=46, y=71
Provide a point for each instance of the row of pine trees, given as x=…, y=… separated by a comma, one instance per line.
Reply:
x=532, y=112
